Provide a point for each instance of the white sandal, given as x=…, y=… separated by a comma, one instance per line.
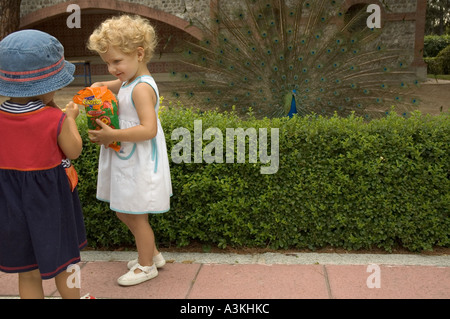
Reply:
x=131, y=278
x=158, y=260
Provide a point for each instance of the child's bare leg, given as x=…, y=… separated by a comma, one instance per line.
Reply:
x=155, y=250
x=30, y=285
x=65, y=291
x=143, y=234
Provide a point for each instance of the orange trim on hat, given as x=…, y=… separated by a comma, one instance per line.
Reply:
x=35, y=78
x=34, y=71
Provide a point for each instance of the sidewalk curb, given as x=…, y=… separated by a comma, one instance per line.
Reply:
x=279, y=258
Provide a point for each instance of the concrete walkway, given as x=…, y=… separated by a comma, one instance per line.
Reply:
x=196, y=276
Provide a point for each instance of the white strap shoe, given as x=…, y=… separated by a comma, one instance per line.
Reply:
x=131, y=278
x=158, y=260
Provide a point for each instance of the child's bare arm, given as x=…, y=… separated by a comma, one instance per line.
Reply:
x=69, y=140
x=114, y=86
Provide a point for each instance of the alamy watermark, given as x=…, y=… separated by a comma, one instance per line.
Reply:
x=214, y=152
x=74, y=279
x=374, y=280
x=74, y=19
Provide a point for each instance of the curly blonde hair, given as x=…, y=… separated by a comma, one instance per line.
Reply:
x=126, y=33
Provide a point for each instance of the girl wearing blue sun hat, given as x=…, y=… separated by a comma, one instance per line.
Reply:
x=41, y=222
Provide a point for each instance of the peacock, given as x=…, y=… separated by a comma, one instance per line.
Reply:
x=278, y=58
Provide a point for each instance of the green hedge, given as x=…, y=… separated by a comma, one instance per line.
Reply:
x=433, y=44
x=342, y=182
x=439, y=64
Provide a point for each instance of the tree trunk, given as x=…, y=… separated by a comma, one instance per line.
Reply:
x=9, y=17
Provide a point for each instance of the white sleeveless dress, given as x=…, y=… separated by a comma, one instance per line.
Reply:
x=135, y=180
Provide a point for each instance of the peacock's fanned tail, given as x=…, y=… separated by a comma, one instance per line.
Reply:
x=305, y=57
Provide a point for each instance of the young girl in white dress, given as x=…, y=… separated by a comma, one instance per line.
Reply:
x=136, y=180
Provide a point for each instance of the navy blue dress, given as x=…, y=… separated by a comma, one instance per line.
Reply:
x=41, y=220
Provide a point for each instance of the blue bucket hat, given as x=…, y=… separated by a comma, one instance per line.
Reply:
x=32, y=63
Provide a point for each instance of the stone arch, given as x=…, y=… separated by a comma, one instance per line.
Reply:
x=171, y=30
x=41, y=15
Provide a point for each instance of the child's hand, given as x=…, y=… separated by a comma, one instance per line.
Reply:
x=104, y=136
x=72, y=110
